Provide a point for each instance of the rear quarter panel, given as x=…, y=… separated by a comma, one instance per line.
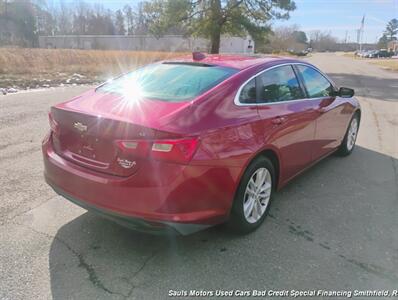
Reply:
x=230, y=135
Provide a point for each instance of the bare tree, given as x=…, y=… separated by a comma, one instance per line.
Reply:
x=80, y=17
x=20, y=18
x=119, y=23
x=141, y=21
x=282, y=38
x=63, y=19
x=129, y=17
x=322, y=41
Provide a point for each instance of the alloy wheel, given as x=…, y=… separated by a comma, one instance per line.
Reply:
x=352, y=134
x=257, y=195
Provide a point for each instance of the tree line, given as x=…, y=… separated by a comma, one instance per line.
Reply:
x=202, y=18
x=28, y=19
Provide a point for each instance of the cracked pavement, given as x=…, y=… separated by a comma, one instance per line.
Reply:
x=334, y=227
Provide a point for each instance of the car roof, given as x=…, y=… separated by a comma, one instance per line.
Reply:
x=239, y=62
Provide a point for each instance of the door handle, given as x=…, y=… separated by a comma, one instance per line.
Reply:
x=278, y=120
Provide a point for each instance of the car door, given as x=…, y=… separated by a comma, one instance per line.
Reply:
x=288, y=119
x=330, y=120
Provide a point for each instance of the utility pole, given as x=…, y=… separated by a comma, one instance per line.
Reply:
x=5, y=17
x=361, y=33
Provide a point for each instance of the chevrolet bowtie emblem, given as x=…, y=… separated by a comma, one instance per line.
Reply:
x=79, y=126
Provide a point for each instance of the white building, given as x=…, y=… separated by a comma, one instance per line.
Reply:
x=146, y=43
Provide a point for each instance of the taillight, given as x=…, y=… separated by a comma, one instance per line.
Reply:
x=172, y=150
x=53, y=124
x=138, y=148
x=181, y=150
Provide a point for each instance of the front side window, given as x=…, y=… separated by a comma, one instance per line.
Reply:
x=316, y=84
x=278, y=85
x=173, y=82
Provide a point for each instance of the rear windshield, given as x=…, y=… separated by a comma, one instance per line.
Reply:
x=174, y=82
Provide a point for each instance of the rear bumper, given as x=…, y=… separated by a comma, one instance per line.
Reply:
x=160, y=196
x=135, y=223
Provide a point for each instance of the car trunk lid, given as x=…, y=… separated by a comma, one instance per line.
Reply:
x=90, y=129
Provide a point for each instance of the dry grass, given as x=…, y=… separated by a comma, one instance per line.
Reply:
x=289, y=54
x=385, y=63
x=390, y=64
x=349, y=54
x=14, y=61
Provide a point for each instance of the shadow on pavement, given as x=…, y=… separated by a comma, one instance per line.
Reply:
x=368, y=86
x=337, y=218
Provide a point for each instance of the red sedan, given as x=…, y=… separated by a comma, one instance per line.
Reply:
x=185, y=144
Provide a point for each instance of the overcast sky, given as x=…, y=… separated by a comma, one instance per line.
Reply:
x=341, y=17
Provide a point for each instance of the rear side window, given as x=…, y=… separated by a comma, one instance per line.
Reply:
x=248, y=92
x=316, y=84
x=278, y=85
x=173, y=82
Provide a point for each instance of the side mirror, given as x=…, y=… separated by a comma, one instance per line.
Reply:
x=344, y=92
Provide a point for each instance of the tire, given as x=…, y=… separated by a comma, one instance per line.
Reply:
x=244, y=223
x=348, y=143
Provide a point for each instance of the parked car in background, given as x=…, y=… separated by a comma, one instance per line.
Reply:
x=188, y=143
x=361, y=53
x=384, y=53
x=371, y=54
x=298, y=52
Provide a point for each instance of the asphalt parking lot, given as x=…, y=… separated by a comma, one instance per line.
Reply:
x=333, y=228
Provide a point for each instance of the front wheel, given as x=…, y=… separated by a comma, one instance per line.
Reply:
x=253, y=198
x=348, y=143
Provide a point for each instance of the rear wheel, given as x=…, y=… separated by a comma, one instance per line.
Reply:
x=348, y=143
x=253, y=198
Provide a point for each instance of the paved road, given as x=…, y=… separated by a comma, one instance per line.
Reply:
x=335, y=227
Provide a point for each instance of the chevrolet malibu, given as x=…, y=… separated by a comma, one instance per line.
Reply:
x=182, y=145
